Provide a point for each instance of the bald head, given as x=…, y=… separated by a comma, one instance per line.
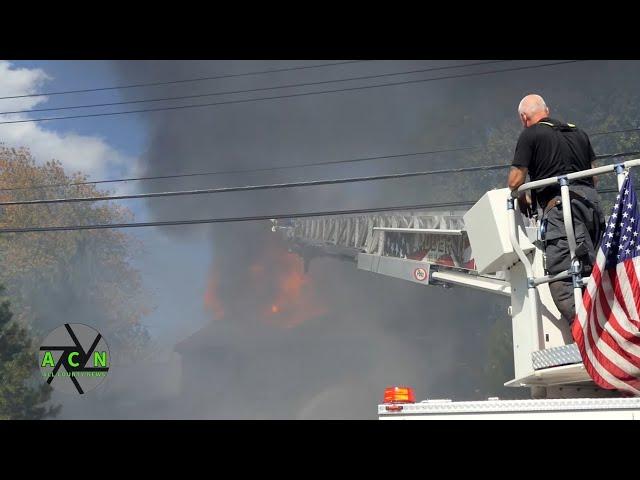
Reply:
x=532, y=109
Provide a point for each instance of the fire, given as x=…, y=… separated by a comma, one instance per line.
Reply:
x=273, y=290
x=295, y=298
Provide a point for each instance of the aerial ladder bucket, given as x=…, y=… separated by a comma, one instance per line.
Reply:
x=490, y=247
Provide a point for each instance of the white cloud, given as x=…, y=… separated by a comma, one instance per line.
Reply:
x=87, y=153
x=21, y=81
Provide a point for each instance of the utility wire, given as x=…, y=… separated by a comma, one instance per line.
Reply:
x=620, y=154
x=230, y=92
x=251, y=170
x=265, y=169
x=609, y=132
x=465, y=203
x=293, y=95
x=187, y=80
x=244, y=188
x=232, y=219
x=274, y=186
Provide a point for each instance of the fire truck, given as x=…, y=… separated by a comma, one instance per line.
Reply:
x=493, y=248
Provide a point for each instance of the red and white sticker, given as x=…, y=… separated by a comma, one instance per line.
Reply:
x=420, y=274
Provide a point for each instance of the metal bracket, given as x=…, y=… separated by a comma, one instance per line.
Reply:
x=576, y=271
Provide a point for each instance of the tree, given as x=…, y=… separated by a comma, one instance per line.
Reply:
x=64, y=277
x=22, y=396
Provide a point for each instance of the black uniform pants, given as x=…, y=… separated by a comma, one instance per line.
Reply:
x=588, y=226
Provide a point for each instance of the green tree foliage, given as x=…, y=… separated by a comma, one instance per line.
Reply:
x=22, y=394
x=76, y=276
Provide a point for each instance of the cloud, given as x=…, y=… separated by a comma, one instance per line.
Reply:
x=90, y=154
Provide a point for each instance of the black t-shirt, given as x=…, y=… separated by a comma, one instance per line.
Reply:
x=548, y=151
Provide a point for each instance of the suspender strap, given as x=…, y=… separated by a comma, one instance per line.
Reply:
x=561, y=128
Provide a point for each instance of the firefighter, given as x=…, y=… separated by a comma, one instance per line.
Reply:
x=547, y=148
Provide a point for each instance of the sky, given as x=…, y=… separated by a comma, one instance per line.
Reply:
x=375, y=328
x=107, y=147
x=111, y=147
x=175, y=268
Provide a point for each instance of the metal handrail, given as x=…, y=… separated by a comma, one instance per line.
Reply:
x=575, y=271
x=592, y=172
x=533, y=294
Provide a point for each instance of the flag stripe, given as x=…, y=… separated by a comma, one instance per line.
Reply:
x=607, y=324
x=615, y=314
x=599, y=367
x=632, y=293
x=591, y=364
x=617, y=352
x=617, y=301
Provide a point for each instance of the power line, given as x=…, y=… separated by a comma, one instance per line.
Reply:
x=230, y=92
x=609, y=132
x=233, y=219
x=274, y=186
x=328, y=213
x=187, y=80
x=331, y=162
x=293, y=95
x=620, y=154
x=251, y=170
x=244, y=188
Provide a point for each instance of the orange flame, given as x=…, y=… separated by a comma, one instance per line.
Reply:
x=295, y=301
x=276, y=291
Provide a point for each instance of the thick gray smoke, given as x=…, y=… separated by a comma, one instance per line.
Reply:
x=374, y=331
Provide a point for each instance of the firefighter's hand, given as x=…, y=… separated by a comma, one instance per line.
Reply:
x=524, y=204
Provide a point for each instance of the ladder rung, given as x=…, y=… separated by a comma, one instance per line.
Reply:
x=436, y=231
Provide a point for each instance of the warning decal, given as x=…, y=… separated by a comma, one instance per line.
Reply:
x=420, y=274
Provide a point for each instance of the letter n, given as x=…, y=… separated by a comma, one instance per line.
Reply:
x=99, y=359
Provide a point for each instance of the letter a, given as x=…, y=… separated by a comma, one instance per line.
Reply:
x=47, y=361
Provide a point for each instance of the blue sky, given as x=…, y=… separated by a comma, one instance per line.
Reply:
x=177, y=315
x=124, y=132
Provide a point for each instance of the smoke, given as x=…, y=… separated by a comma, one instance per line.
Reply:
x=373, y=331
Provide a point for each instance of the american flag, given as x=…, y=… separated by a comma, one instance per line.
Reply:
x=607, y=324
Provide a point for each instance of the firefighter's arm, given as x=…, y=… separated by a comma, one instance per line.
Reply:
x=517, y=176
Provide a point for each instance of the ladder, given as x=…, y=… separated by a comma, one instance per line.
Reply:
x=488, y=247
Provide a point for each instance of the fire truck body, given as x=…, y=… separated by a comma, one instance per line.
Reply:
x=434, y=248
x=534, y=409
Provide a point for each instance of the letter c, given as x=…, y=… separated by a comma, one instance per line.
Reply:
x=73, y=354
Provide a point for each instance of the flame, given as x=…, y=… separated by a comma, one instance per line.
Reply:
x=274, y=290
x=295, y=298
x=211, y=300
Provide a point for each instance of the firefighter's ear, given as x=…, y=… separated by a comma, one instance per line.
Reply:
x=523, y=119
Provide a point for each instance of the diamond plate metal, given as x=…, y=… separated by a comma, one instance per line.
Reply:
x=554, y=357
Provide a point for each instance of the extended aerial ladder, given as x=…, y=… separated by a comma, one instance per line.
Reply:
x=493, y=248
